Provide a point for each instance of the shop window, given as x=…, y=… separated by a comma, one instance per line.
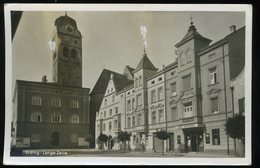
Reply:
x=207, y=138
x=215, y=137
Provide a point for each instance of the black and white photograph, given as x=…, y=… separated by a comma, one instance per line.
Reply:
x=128, y=84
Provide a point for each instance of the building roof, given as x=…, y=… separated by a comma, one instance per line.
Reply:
x=120, y=82
x=192, y=33
x=145, y=63
x=64, y=20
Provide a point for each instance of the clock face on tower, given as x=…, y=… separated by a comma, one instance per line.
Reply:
x=69, y=29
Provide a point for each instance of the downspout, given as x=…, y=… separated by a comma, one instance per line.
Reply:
x=233, y=114
x=225, y=95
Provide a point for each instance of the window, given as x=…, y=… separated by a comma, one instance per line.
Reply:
x=173, y=73
x=74, y=104
x=207, y=138
x=153, y=96
x=133, y=103
x=74, y=138
x=105, y=103
x=113, y=98
x=188, y=52
x=174, y=113
x=36, y=117
x=128, y=122
x=213, y=76
x=111, y=89
x=153, y=117
x=56, y=118
x=65, y=52
x=160, y=93
x=74, y=118
x=182, y=58
x=35, y=138
x=104, y=127
x=116, y=109
x=139, y=119
x=36, y=100
x=173, y=89
x=140, y=80
x=110, y=112
x=98, y=127
x=115, y=123
x=105, y=113
x=214, y=105
x=128, y=104
x=241, y=105
x=160, y=79
x=56, y=102
x=215, y=137
x=74, y=53
x=110, y=126
x=186, y=82
x=160, y=116
x=139, y=100
x=188, y=110
x=212, y=56
x=152, y=82
x=133, y=121
x=136, y=82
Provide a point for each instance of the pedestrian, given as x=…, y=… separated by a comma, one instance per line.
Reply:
x=142, y=147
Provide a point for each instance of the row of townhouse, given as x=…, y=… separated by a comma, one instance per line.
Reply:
x=190, y=98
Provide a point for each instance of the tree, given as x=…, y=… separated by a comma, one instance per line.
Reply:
x=163, y=135
x=89, y=139
x=102, y=138
x=123, y=137
x=235, y=127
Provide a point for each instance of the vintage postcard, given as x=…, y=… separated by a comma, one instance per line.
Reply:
x=137, y=84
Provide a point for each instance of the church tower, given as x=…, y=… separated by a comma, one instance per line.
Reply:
x=67, y=52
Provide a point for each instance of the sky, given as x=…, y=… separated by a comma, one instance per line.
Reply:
x=111, y=40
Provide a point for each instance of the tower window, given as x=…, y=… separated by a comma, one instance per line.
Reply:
x=65, y=52
x=74, y=53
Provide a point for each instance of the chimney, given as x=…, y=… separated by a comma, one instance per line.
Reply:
x=44, y=79
x=232, y=28
x=111, y=76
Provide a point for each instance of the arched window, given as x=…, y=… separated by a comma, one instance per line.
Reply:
x=56, y=117
x=74, y=53
x=35, y=138
x=74, y=118
x=36, y=117
x=36, y=100
x=74, y=138
x=65, y=52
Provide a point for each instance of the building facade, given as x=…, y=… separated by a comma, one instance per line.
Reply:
x=55, y=114
x=189, y=98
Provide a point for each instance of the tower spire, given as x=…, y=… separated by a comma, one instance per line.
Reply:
x=191, y=22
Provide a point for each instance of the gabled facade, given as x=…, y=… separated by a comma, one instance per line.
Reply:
x=190, y=98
